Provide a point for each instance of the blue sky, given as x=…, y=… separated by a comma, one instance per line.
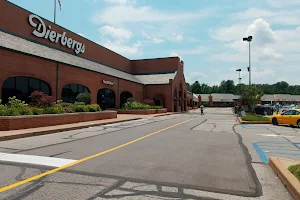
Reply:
x=205, y=34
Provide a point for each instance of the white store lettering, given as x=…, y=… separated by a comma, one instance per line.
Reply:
x=108, y=82
x=41, y=31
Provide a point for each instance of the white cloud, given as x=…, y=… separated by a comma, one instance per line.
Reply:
x=177, y=37
x=152, y=39
x=269, y=54
x=264, y=44
x=196, y=51
x=117, y=33
x=231, y=57
x=174, y=54
x=195, y=76
x=229, y=33
x=119, y=14
x=283, y=17
x=81, y=34
x=123, y=48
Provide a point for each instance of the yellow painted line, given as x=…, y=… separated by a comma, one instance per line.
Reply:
x=8, y=187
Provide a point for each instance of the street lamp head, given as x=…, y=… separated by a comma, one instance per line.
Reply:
x=248, y=39
x=238, y=70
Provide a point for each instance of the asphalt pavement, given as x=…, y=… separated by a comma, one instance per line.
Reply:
x=182, y=156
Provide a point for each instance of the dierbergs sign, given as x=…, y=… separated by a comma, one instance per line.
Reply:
x=42, y=32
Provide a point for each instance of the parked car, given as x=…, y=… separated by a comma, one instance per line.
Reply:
x=290, y=117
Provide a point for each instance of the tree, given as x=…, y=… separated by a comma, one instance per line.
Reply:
x=196, y=88
x=239, y=89
x=250, y=96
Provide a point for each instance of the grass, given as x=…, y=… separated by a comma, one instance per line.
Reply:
x=295, y=169
x=254, y=117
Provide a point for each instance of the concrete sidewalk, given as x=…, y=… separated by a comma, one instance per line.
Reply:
x=15, y=134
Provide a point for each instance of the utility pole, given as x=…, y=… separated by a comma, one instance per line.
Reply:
x=239, y=70
x=249, y=39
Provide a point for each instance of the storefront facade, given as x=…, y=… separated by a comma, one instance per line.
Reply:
x=36, y=54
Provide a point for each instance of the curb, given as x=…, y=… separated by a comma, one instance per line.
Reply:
x=37, y=133
x=287, y=178
x=252, y=122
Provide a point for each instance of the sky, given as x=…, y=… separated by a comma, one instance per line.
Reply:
x=205, y=34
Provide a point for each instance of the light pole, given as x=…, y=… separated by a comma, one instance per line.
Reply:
x=249, y=39
x=239, y=70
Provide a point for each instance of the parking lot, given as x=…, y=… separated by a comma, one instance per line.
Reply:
x=182, y=156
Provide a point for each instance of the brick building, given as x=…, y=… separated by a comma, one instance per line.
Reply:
x=36, y=54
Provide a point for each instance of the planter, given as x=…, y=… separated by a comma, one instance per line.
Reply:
x=142, y=112
x=164, y=110
x=34, y=121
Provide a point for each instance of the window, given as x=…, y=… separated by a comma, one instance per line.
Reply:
x=106, y=96
x=290, y=112
x=22, y=87
x=70, y=92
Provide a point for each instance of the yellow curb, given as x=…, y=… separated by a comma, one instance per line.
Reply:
x=280, y=167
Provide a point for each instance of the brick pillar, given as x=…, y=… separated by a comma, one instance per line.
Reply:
x=199, y=100
x=210, y=98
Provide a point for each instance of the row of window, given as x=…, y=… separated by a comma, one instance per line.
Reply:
x=22, y=87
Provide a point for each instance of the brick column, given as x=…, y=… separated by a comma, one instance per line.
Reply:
x=210, y=98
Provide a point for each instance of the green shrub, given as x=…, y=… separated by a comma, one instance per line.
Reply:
x=13, y=102
x=9, y=111
x=136, y=106
x=37, y=111
x=156, y=107
x=25, y=110
x=84, y=97
x=93, y=108
x=79, y=103
x=81, y=108
x=57, y=109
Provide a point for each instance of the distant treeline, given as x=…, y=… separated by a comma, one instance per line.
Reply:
x=229, y=87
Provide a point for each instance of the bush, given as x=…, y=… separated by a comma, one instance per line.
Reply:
x=131, y=99
x=81, y=108
x=149, y=102
x=25, y=110
x=37, y=111
x=13, y=102
x=84, y=97
x=79, y=103
x=136, y=106
x=57, y=109
x=93, y=108
x=156, y=107
x=9, y=111
x=41, y=100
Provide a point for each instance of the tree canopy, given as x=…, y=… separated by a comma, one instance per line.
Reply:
x=228, y=86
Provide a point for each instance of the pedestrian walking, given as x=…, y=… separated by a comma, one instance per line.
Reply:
x=202, y=109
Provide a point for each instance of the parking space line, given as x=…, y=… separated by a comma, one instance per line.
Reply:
x=261, y=154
